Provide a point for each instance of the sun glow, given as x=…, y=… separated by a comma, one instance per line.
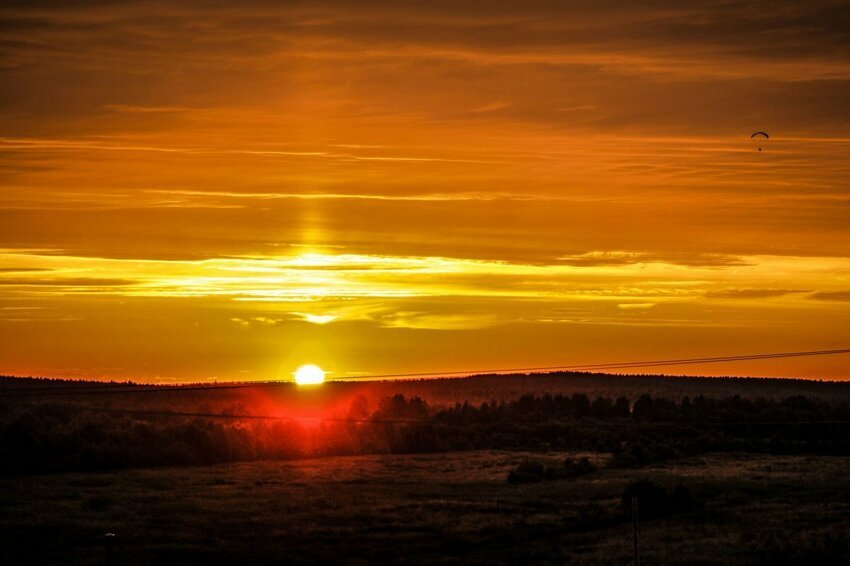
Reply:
x=309, y=374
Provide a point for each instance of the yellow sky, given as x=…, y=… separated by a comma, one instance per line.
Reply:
x=227, y=192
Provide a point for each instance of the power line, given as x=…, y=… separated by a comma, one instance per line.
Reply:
x=432, y=421
x=233, y=416
x=621, y=365
x=120, y=388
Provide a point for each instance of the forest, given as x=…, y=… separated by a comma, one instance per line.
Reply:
x=48, y=426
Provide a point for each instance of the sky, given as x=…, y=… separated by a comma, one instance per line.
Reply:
x=217, y=190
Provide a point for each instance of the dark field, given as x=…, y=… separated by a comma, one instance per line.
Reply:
x=732, y=471
x=425, y=509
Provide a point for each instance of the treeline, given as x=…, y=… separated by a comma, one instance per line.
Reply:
x=39, y=437
x=651, y=429
x=483, y=388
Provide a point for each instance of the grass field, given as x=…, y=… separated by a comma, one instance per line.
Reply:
x=426, y=509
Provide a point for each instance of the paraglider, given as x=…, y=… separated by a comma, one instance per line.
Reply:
x=760, y=134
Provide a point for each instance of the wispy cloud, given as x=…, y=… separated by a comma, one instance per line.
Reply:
x=627, y=279
x=614, y=258
x=41, y=144
x=831, y=296
x=752, y=293
x=431, y=321
x=430, y=197
x=66, y=282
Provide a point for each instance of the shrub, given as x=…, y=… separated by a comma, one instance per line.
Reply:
x=575, y=468
x=528, y=471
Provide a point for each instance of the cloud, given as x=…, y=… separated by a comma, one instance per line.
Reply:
x=635, y=306
x=167, y=62
x=752, y=293
x=278, y=320
x=428, y=197
x=615, y=258
x=437, y=321
x=317, y=318
x=831, y=296
x=327, y=278
x=68, y=282
x=42, y=145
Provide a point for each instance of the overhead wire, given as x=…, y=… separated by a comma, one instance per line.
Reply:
x=431, y=421
x=116, y=388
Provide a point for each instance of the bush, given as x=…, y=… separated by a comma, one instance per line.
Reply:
x=575, y=468
x=532, y=471
x=528, y=471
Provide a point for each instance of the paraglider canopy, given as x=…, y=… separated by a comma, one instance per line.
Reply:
x=760, y=134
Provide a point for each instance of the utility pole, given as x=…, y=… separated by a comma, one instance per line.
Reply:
x=635, y=528
x=109, y=543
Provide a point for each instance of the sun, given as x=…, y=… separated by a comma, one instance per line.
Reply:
x=309, y=374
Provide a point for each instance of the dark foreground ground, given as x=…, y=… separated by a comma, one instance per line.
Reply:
x=429, y=509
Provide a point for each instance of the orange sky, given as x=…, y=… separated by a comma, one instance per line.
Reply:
x=223, y=191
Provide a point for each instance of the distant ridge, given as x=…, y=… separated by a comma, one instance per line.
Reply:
x=448, y=390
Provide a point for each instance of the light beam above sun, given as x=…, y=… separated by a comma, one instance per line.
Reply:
x=309, y=374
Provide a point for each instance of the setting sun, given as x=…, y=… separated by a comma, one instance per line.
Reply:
x=309, y=374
